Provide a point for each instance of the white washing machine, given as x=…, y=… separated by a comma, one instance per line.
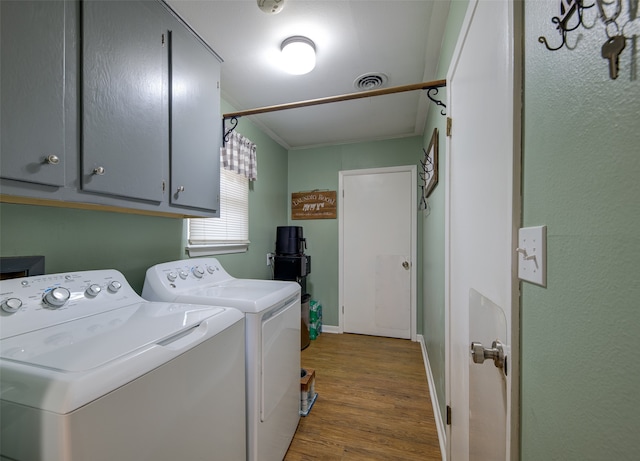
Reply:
x=91, y=371
x=272, y=310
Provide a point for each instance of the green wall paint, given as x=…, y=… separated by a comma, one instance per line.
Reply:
x=433, y=235
x=74, y=240
x=581, y=165
x=318, y=168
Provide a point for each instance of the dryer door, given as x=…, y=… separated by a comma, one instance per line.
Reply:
x=280, y=374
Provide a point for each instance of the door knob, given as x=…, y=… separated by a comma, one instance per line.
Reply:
x=496, y=353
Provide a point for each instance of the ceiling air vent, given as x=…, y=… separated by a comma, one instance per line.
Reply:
x=370, y=81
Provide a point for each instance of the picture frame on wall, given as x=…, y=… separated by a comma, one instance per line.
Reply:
x=429, y=172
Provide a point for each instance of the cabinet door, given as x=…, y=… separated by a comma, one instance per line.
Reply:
x=124, y=112
x=195, y=123
x=32, y=102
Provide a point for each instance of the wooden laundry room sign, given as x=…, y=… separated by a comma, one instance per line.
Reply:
x=315, y=204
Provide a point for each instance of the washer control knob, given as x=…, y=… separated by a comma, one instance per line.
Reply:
x=198, y=272
x=183, y=274
x=57, y=297
x=93, y=290
x=211, y=269
x=114, y=286
x=11, y=305
x=171, y=276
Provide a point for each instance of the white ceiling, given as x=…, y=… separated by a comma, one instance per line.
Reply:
x=400, y=38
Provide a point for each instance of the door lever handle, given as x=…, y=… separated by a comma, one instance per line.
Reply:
x=496, y=353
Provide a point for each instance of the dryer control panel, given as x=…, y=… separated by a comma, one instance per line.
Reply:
x=187, y=273
x=31, y=303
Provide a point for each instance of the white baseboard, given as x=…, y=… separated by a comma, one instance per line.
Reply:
x=440, y=424
x=330, y=329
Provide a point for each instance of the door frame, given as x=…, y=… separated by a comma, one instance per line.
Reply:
x=414, y=231
x=516, y=64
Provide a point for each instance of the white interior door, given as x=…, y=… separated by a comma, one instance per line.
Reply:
x=482, y=216
x=377, y=251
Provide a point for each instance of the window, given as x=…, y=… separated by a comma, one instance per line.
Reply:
x=230, y=232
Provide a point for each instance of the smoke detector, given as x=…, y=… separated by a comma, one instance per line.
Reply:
x=271, y=6
x=370, y=81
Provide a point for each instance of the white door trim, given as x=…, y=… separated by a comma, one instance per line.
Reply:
x=414, y=230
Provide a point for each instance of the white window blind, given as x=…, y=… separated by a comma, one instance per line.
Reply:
x=231, y=229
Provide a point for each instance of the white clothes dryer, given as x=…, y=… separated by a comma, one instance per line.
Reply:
x=272, y=310
x=91, y=371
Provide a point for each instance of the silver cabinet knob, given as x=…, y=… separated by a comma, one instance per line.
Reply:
x=405, y=264
x=52, y=159
x=180, y=189
x=99, y=171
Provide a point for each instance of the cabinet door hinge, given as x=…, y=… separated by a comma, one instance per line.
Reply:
x=449, y=122
x=448, y=415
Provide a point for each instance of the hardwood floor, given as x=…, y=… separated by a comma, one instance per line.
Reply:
x=373, y=402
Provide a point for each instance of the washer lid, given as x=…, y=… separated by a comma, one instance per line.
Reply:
x=90, y=342
x=247, y=295
x=64, y=367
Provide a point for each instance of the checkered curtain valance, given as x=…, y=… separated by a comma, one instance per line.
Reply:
x=239, y=155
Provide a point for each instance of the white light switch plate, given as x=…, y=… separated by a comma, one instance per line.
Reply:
x=532, y=255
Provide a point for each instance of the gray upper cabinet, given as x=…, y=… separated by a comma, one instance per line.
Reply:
x=195, y=122
x=108, y=103
x=32, y=93
x=124, y=102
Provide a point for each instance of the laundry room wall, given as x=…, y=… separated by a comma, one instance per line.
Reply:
x=73, y=240
x=267, y=203
x=317, y=168
x=581, y=164
x=433, y=234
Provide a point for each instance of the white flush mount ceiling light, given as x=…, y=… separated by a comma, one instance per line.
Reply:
x=298, y=55
x=271, y=6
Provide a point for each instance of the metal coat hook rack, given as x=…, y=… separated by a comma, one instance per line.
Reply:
x=619, y=28
x=431, y=87
x=425, y=176
x=567, y=9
